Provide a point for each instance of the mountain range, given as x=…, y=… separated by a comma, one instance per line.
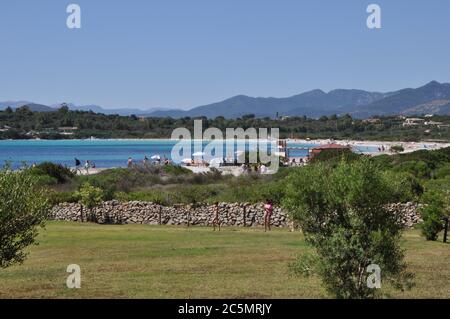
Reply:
x=432, y=98
x=94, y=108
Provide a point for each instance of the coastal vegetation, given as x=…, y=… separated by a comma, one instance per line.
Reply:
x=339, y=201
x=23, y=210
x=22, y=123
x=414, y=171
x=413, y=177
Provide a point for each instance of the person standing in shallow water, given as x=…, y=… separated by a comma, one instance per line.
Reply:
x=268, y=209
x=216, y=220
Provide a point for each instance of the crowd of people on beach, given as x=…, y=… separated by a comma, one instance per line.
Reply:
x=89, y=166
x=298, y=162
x=259, y=168
x=155, y=160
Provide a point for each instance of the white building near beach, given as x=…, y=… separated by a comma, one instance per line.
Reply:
x=413, y=121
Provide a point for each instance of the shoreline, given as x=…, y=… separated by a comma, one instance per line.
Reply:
x=408, y=146
x=295, y=140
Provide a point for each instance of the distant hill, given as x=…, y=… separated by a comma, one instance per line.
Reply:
x=98, y=109
x=13, y=104
x=432, y=98
x=39, y=107
x=313, y=103
x=35, y=107
x=32, y=106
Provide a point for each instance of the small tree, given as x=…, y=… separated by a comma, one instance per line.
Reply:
x=433, y=223
x=23, y=208
x=342, y=212
x=90, y=197
x=436, y=204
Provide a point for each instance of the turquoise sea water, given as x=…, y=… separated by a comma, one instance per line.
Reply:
x=104, y=153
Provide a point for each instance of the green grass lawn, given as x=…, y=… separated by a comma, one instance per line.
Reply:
x=139, y=261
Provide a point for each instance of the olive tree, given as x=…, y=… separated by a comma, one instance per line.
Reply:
x=23, y=209
x=342, y=213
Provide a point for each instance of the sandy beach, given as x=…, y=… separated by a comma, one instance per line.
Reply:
x=384, y=147
x=408, y=146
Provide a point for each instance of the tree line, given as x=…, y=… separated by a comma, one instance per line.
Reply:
x=22, y=123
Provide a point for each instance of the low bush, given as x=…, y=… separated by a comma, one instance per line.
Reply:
x=176, y=170
x=56, y=198
x=442, y=172
x=46, y=180
x=397, y=148
x=61, y=173
x=155, y=196
x=432, y=222
x=335, y=156
x=419, y=169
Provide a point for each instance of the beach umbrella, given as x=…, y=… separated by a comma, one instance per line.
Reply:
x=215, y=162
x=156, y=157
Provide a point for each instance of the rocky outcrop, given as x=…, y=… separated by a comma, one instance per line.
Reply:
x=231, y=214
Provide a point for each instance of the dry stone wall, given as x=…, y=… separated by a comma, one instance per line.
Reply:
x=231, y=214
x=114, y=212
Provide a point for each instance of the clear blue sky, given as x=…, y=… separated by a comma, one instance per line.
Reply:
x=185, y=53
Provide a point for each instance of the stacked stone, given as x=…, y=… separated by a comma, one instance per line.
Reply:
x=67, y=212
x=230, y=214
x=114, y=212
x=409, y=213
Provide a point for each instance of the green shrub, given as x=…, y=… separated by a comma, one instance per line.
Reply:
x=397, y=148
x=195, y=194
x=155, y=196
x=46, y=180
x=419, y=169
x=89, y=196
x=384, y=161
x=121, y=180
x=435, y=186
x=23, y=209
x=442, y=172
x=56, y=198
x=432, y=158
x=405, y=187
x=335, y=156
x=342, y=212
x=432, y=222
x=176, y=170
x=437, y=206
x=57, y=171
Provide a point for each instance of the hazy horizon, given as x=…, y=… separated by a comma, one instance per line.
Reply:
x=190, y=107
x=181, y=55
